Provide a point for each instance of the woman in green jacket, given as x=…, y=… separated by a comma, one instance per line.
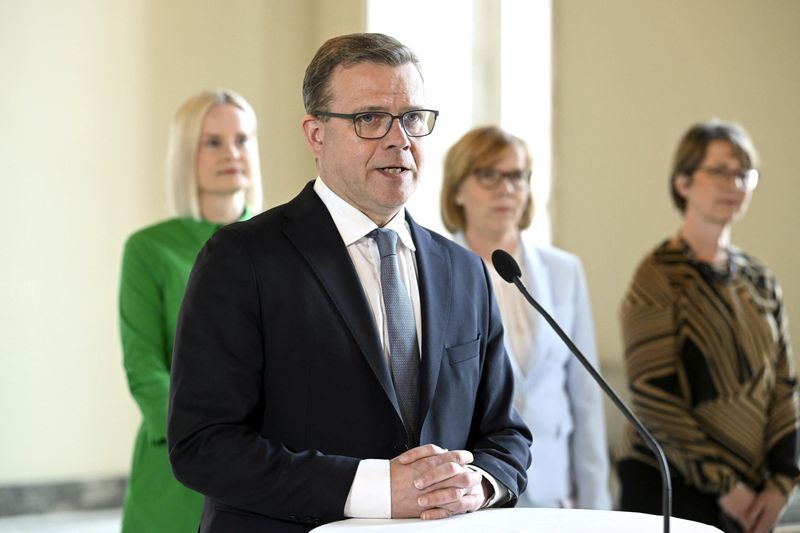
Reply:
x=214, y=179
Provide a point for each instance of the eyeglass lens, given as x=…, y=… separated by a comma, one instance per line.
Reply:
x=748, y=178
x=374, y=125
x=490, y=177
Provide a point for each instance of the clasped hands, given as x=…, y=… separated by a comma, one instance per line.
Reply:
x=756, y=512
x=430, y=482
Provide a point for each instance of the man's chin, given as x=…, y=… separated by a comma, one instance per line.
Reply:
x=396, y=194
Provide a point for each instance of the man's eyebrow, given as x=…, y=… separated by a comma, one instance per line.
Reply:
x=367, y=109
x=386, y=109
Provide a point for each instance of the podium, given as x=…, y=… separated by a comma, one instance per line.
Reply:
x=523, y=520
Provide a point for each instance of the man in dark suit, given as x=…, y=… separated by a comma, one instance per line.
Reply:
x=320, y=373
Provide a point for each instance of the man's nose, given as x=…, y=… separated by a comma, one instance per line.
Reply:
x=397, y=135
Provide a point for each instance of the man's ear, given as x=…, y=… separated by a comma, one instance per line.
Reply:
x=314, y=132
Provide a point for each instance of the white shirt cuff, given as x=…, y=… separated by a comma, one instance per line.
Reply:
x=370, y=494
x=500, y=491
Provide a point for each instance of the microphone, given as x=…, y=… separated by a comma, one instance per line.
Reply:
x=507, y=267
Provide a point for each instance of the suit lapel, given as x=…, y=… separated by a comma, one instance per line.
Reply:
x=435, y=289
x=311, y=229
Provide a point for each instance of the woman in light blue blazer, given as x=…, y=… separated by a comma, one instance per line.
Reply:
x=486, y=202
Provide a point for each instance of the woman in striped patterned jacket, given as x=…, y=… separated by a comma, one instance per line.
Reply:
x=707, y=353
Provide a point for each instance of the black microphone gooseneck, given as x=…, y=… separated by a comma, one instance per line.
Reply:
x=509, y=270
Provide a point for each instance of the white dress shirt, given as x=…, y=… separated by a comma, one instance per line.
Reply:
x=371, y=492
x=353, y=226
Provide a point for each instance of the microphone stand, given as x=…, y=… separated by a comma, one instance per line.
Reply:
x=666, y=484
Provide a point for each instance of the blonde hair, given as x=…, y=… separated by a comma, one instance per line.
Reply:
x=184, y=141
x=479, y=148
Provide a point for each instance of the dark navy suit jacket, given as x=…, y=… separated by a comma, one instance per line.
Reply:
x=280, y=384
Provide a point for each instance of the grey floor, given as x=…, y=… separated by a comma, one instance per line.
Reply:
x=104, y=521
x=108, y=521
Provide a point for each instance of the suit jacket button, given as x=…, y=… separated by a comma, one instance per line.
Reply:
x=400, y=447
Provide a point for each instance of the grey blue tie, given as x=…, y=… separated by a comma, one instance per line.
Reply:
x=403, y=348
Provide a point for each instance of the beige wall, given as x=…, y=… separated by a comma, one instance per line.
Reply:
x=630, y=77
x=88, y=89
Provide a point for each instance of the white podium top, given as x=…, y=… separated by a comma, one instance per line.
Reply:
x=524, y=520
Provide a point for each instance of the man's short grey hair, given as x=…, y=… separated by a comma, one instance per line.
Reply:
x=348, y=50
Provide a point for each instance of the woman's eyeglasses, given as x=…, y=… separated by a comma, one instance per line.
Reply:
x=489, y=178
x=747, y=179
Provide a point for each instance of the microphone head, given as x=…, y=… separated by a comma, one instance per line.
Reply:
x=506, y=265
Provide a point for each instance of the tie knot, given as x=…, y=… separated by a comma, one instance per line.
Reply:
x=386, y=239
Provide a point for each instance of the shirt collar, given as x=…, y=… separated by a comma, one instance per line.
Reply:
x=353, y=224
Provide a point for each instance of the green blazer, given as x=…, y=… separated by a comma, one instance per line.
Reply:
x=155, y=269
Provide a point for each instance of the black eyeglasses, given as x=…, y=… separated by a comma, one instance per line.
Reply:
x=747, y=179
x=376, y=124
x=489, y=178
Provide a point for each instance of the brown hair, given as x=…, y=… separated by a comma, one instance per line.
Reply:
x=348, y=50
x=692, y=149
x=479, y=148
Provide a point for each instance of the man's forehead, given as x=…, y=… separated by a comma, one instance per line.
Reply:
x=356, y=82
x=376, y=73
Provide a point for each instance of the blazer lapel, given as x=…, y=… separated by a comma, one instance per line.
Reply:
x=435, y=291
x=311, y=229
x=537, y=281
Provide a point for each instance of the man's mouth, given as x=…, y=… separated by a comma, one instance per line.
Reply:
x=393, y=170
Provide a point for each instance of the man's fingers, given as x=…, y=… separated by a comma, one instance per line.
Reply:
x=460, y=457
x=437, y=475
x=449, y=487
x=435, y=514
x=442, y=497
x=466, y=504
x=449, y=475
x=462, y=493
x=420, y=452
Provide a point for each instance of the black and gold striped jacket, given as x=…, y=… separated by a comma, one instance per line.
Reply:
x=710, y=370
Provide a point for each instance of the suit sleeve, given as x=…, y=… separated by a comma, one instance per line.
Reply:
x=144, y=340
x=588, y=447
x=216, y=401
x=501, y=440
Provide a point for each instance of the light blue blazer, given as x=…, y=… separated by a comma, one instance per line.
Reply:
x=557, y=398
